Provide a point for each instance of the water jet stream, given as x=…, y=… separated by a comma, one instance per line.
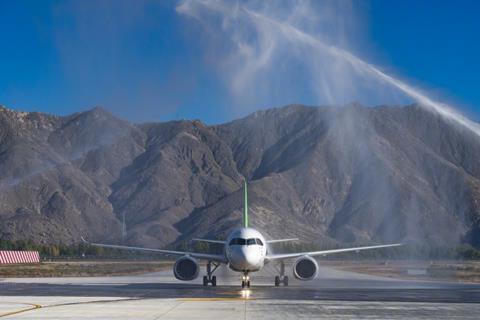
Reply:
x=295, y=35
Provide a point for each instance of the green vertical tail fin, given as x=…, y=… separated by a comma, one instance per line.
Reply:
x=245, y=206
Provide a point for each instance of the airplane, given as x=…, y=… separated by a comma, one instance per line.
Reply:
x=245, y=251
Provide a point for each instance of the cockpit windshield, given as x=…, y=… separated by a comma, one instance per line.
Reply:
x=237, y=241
x=243, y=242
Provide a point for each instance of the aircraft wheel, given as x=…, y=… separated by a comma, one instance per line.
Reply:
x=243, y=284
x=277, y=281
x=285, y=281
x=205, y=281
x=248, y=284
x=214, y=281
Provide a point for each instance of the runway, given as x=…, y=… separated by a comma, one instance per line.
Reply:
x=333, y=295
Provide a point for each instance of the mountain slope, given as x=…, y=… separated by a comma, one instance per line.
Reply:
x=325, y=174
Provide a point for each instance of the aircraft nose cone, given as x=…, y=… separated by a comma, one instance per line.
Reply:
x=248, y=257
x=251, y=258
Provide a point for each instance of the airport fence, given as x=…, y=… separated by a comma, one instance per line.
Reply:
x=15, y=257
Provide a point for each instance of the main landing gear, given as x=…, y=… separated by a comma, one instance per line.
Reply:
x=210, y=278
x=282, y=278
x=245, y=280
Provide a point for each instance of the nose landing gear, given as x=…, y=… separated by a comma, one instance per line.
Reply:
x=210, y=278
x=245, y=280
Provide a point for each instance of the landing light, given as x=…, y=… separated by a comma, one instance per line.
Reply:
x=245, y=278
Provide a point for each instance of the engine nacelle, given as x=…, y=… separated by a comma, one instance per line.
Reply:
x=186, y=268
x=305, y=268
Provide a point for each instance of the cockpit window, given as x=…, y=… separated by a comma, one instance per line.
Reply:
x=237, y=241
x=242, y=242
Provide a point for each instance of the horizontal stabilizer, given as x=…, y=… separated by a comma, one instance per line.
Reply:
x=209, y=241
x=282, y=240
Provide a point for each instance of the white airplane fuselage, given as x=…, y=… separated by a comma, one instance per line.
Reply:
x=245, y=250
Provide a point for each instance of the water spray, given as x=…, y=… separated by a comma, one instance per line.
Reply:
x=295, y=35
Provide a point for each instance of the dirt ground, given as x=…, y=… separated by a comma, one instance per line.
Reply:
x=450, y=270
x=81, y=268
x=461, y=271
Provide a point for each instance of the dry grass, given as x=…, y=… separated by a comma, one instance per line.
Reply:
x=462, y=271
x=81, y=268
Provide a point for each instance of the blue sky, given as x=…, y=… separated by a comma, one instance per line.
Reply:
x=144, y=61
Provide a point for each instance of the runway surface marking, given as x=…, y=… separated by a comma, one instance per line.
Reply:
x=212, y=299
x=335, y=295
x=88, y=302
x=168, y=311
x=32, y=306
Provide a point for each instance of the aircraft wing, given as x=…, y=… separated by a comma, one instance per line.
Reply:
x=281, y=256
x=209, y=241
x=198, y=255
x=282, y=240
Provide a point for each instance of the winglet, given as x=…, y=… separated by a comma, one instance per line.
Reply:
x=245, y=206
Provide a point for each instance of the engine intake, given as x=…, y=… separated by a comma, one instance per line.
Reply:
x=305, y=268
x=186, y=268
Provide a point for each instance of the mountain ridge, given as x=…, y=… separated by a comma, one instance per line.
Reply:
x=348, y=174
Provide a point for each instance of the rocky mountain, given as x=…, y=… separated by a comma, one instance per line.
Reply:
x=326, y=174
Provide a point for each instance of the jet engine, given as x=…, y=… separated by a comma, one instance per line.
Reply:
x=186, y=268
x=305, y=268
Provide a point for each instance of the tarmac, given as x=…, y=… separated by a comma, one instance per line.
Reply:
x=333, y=295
